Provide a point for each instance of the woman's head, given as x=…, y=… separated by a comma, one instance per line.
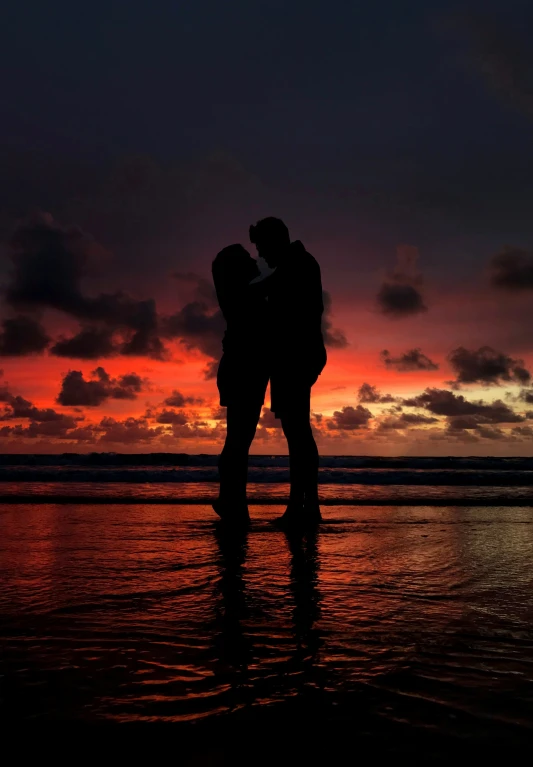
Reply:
x=233, y=268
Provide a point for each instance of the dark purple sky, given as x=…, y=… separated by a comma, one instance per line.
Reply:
x=164, y=129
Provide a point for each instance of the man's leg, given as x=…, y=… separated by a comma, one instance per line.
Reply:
x=293, y=426
x=303, y=461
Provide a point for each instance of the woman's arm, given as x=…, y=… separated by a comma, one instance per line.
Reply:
x=261, y=289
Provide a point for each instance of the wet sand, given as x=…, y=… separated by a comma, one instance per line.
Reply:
x=399, y=630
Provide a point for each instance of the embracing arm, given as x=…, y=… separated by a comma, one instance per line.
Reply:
x=262, y=288
x=314, y=311
x=313, y=295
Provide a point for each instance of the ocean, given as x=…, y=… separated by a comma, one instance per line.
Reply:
x=405, y=624
x=165, y=477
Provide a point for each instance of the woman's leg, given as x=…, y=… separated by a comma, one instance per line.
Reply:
x=311, y=474
x=242, y=419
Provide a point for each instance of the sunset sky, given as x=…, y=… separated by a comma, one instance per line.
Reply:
x=395, y=140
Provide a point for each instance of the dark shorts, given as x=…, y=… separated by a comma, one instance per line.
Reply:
x=289, y=394
x=241, y=381
x=294, y=371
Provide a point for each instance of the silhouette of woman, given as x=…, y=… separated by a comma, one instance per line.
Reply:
x=242, y=374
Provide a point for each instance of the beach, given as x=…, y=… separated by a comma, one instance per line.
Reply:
x=409, y=620
x=297, y=234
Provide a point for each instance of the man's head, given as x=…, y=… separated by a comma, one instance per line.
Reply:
x=271, y=238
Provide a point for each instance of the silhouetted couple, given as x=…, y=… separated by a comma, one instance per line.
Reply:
x=273, y=332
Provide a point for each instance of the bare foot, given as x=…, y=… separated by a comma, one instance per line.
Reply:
x=232, y=513
x=298, y=517
x=312, y=512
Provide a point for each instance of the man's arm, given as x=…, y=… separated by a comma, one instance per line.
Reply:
x=313, y=295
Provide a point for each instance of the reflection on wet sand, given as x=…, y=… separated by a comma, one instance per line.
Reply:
x=238, y=643
x=232, y=646
x=141, y=613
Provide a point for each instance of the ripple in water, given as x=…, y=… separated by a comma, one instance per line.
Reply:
x=151, y=612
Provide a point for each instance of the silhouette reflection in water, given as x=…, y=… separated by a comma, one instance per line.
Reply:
x=242, y=647
x=234, y=649
x=304, y=588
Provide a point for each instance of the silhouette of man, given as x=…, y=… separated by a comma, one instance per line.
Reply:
x=298, y=356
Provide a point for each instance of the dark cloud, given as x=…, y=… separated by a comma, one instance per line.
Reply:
x=463, y=422
x=129, y=431
x=200, y=288
x=526, y=395
x=44, y=422
x=333, y=337
x=371, y=395
x=501, y=58
x=110, y=430
x=195, y=430
x=126, y=386
x=486, y=366
x=397, y=300
x=409, y=361
x=198, y=326
x=49, y=264
x=19, y=407
x=171, y=417
x=512, y=269
x=400, y=295
x=268, y=420
x=22, y=335
x=411, y=401
x=491, y=432
x=447, y=403
x=458, y=426
x=91, y=343
x=406, y=421
x=75, y=390
x=145, y=343
x=58, y=429
x=177, y=399
x=85, y=434
x=523, y=431
x=350, y=418
x=211, y=369
x=462, y=436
